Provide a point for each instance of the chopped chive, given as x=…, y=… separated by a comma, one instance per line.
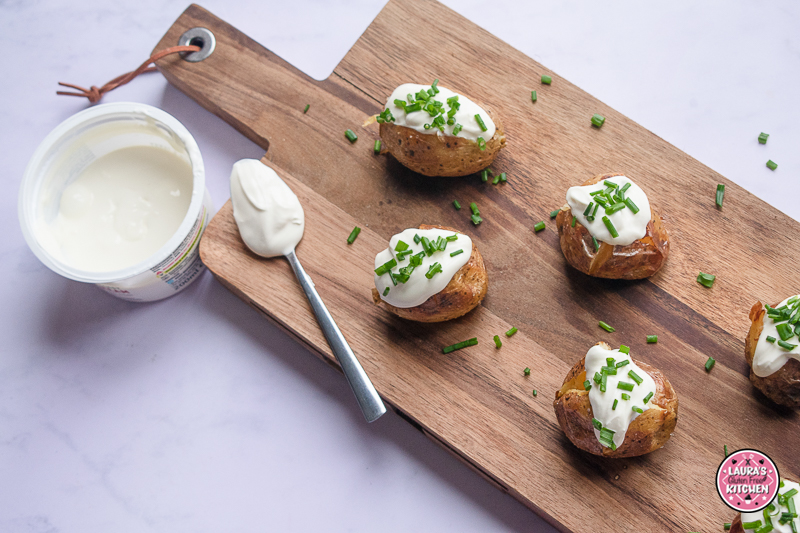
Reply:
x=352, y=137
x=606, y=327
x=456, y=204
x=481, y=144
x=626, y=396
x=632, y=206
x=377, y=148
x=762, y=139
x=554, y=214
x=785, y=331
x=623, y=363
x=637, y=409
x=596, y=423
x=614, y=407
x=456, y=253
x=496, y=179
x=587, y=385
x=386, y=291
x=771, y=339
x=710, y=364
x=598, y=377
x=413, y=107
x=624, y=349
x=787, y=346
x=610, y=184
x=720, y=194
x=485, y=174
x=456, y=129
x=417, y=238
x=539, y=226
x=624, y=385
x=474, y=207
x=725, y=449
x=463, y=344
x=647, y=398
x=309, y=105
x=611, y=229
x=588, y=209
x=433, y=270
x=635, y=377
x=400, y=246
x=596, y=244
x=386, y=267
x=503, y=177
x=625, y=188
x=499, y=344
x=751, y=525
x=480, y=122
x=476, y=219
x=706, y=280
x=427, y=246
x=353, y=235
x=416, y=260
x=547, y=80
x=533, y=96
x=535, y=393
x=652, y=339
x=598, y=120
x=452, y=238
x=603, y=382
x=511, y=332
x=574, y=220
x=772, y=165
x=433, y=86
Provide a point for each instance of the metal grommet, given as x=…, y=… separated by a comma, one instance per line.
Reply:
x=201, y=37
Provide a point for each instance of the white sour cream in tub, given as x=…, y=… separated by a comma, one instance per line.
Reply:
x=630, y=226
x=770, y=357
x=465, y=116
x=122, y=208
x=617, y=420
x=269, y=215
x=419, y=288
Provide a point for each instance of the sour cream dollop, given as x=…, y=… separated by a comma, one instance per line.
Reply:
x=779, y=510
x=419, y=288
x=769, y=357
x=269, y=215
x=465, y=116
x=616, y=419
x=630, y=226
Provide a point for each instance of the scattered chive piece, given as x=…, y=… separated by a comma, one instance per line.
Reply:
x=496, y=179
x=706, y=280
x=624, y=385
x=457, y=129
x=787, y=346
x=720, y=194
x=480, y=122
x=596, y=244
x=611, y=229
x=647, y=398
x=632, y=206
x=727, y=526
x=638, y=409
x=772, y=165
x=386, y=267
x=417, y=238
x=481, y=143
x=485, y=174
x=499, y=344
x=433, y=270
x=309, y=105
x=463, y=344
x=751, y=525
x=547, y=80
x=527, y=371
x=474, y=208
x=588, y=209
x=614, y=407
x=598, y=120
x=635, y=377
x=452, y=238
x=710, y=364
x=725, y=448
x=476, y=219
x=623, y=363
x=377, y=148
x=762, y=139
x=554, y=214
x=511, y=332
x=574, y=220
x=652, y=339
x=587, y=385
x=400, y=246
x=503, y=177
x=535, y=393
x=785, y=331
x=597, y=423
x=456, y=204
x=624, y=349
x=353, y=235
x=597, y=377
x=386, y=291
x=606, y=327
x=626, y=396
x=603, y=382
x=533, y=96
x=352, y=137
x=539, y=226
x=771, y=339
x=456, y=253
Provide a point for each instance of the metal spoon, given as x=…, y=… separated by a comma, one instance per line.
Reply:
x=366, y=395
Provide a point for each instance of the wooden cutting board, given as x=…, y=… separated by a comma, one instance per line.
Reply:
x=476, y=402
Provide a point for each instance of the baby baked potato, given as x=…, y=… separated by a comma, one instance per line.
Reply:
x=463, y=293
x=737, y=526
x=455, y=146
x=645, y=433
x=783, y=386
x=640, y=259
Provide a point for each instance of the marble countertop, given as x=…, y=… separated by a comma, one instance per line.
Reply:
x=194, y=414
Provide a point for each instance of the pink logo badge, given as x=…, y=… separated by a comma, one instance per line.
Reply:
x=747, y=481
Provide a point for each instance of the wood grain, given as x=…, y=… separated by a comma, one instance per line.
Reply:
x=476, y=402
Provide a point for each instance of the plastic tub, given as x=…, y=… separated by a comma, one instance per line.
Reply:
x=79, y=141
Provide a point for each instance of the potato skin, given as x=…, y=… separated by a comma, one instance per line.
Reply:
x=782, y=387
x=431, y=154
x=464, y=292
x=640, y=259
x=648, y=432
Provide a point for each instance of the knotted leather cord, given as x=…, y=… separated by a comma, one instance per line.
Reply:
x=94, y=93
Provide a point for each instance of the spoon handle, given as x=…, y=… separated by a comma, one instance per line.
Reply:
x=366, y=395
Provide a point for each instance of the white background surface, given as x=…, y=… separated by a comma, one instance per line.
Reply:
x=194, y=414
